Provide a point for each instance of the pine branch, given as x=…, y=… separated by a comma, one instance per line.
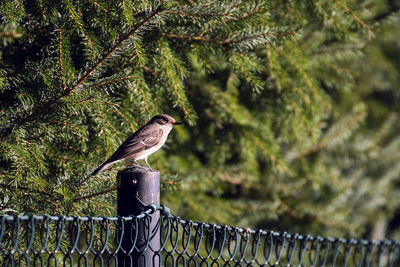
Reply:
x=243, y=16
x=326, y=140
x=337, y=49
x=307, y=79
x=155, y=13
x=11, y=34
x=242, y=64
x=228, y=41
x=110, y=125
x=68, y=125
x=112, y=81
x=98, y=5
x=26, y=189
x=173, y=67
x=125, y=118
x=275, y=35
x=51, y=103
x=324, y=13
x=81, y=101
x=145, y=101
x=119, y=113
x=271, y=156
x=270, y=66
x=76, y=16
x=199, y=12
x=95, y=194
x=60, y=59
x=42, y=8
x=152, y=72
x=355, y=17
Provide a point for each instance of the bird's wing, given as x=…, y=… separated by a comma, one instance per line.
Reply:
x=142, y=139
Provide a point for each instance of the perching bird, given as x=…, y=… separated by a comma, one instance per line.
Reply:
x=145, y=141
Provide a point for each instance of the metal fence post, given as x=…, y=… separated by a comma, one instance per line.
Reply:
x=133, y=184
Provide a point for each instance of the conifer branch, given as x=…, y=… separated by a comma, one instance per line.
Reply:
x=68, y=159
x=26, y=189
x=270, y=66
x=243, y=16
x=81, y=101
x=292, y=212
x=60, y=58
x=227, y=41
x=65, y=124
x=136, y=50
x=112, y=81
x=325, y=141
x=175, y=86
x=307, y=80
x=42, y=8
x=330, y=50
x=275, y=35
x=270, y=156
x=192, y=38
x=51, y=103
x=203, y=14
x=115, y=110
x=110, y=125
x=243, y=71
x=38, y=161
x=98, y=5
x=125, y=118
x=75, y=16
x=91, y=47
x=152, y=72
x=304, y=96
x=325, y=14
x=113, y=49
x=12, y=34
x=355, y=17
x=199, y=14
x=145, y=101
x=95, y=194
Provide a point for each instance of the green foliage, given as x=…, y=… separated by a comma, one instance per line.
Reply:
x=290, y=108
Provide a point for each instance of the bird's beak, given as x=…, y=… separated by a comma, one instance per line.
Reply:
x=177, y=123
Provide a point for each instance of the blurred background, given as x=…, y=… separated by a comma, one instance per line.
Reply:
x=291, y=109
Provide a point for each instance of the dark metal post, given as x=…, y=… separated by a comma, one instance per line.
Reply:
x=133, y=184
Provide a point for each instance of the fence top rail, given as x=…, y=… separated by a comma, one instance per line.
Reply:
x=150, y=209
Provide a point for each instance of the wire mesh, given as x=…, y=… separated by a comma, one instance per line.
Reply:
x=37, y=240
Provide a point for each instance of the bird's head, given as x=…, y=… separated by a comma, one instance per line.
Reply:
x=165, y=120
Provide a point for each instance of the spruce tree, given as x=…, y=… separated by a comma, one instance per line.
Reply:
x=282, y=129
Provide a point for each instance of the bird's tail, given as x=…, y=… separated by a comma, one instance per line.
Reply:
x=101, y=168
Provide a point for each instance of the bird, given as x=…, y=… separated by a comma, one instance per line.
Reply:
x=144, y=142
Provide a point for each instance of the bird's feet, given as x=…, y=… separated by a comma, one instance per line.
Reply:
x=145, y=160
x=136, y=165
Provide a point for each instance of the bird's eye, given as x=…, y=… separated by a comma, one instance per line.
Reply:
x=162, y=120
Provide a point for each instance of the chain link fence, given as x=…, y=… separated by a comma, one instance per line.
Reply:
x=36, y=240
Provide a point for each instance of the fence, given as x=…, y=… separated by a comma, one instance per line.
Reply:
x=97, y=241
x=154, y=237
